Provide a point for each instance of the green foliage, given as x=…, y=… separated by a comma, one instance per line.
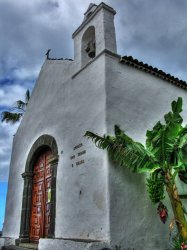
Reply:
x=155, y=188
x=177, y=242
x=164, y=157
x=16, y=113
x=11, y=117
x=166, y=148
x=166, y=145
x=125, y=151
x=162, y=139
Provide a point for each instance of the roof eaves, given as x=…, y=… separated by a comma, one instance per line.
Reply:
x=129, y=60
x=89, y=7
x=62, y=59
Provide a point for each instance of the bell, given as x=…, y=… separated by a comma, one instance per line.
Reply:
x=91, y=52
x=90, y=49
x=87, y=49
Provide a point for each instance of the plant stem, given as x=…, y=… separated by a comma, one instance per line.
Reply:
x=177, y=207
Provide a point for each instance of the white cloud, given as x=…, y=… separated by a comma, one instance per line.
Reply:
x=10, y=94
x=7, y=132
x=152, y=31
x=26, y=73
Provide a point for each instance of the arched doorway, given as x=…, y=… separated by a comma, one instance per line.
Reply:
x=39, y=193
x=41, y=197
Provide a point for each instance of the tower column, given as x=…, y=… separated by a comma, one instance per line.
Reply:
x=95, y=34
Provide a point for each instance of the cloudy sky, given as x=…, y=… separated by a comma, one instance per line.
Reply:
x=154, y=32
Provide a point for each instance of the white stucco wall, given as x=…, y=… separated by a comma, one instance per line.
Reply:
x=136, y=101
x=103, y=22
x=95, y=201
x=65, y=108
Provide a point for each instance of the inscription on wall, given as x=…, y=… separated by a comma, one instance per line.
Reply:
x=78, y=146
x=82, y=152
x=72, y=157
x=77, y=158
x=79, y=162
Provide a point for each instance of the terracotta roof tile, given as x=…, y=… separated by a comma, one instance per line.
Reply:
x=129, y=60
x=66, y=59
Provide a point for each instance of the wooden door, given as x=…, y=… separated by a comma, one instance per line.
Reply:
x=41, y=198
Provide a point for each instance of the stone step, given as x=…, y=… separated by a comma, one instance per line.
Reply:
x=12, y=247
x=29, y=245
x=22, y=246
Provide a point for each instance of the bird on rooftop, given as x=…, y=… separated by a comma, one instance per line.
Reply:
x=47, y=54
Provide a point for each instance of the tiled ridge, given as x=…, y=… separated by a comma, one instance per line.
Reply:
x=64, y=59
x=129, y=60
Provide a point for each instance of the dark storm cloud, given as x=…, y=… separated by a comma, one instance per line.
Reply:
x=53, y=4
x=6, y=81
x=155, y=32
x=152, y=31
x=28, y=31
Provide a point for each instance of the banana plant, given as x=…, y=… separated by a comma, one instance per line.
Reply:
x=163, y=157
x=16, y=113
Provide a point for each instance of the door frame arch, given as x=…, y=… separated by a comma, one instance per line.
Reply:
x=43, y=142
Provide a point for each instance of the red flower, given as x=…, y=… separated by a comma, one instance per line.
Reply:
x=183, y=246
x=163, y=212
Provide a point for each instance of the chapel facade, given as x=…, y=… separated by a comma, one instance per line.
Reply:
x=63, y=192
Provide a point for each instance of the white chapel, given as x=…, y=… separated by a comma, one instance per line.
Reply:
x=64, y=193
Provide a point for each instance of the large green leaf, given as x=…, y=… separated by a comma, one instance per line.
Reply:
x=151, y=134
x=182, y=140
x=160, y=144
x=183, y=175
x=166, y=145
x=173, y=119
x=125, y=151
x=177, y=105
x=178, y=157
x=161, y=141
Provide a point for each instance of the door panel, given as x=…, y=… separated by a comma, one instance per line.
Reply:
x=41, y=198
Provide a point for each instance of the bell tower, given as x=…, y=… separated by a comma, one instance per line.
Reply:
x=95, y=34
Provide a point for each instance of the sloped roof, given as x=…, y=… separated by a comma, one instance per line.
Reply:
x=129, y=60
x=90, y=6
x=62, y=59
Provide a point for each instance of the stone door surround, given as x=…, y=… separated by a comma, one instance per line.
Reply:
x=42, y=143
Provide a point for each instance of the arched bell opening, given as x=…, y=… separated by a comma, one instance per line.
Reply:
x=88, y=44
x=39, y=191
